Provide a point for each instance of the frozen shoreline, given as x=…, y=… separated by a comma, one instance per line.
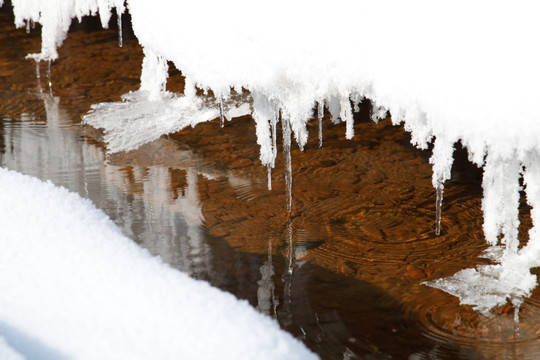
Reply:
x=74, y=287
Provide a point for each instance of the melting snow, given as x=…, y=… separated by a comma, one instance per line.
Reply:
x=450, y=71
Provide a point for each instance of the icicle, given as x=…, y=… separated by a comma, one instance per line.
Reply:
x=320, y=115
x=501, y=200
x=298, y=115
x=334, y=107
x=438, y=209
x=274, y=121
x=357, y=100
x=285, y=123
x=221, y=116
x=154, y=75
x=441, y=159
x=509, y=277
x=28, y=26
x=531, y=178
x=346, y=115
x=416, y=123
x=269, y=176
x=119, y=21
x=262, y=114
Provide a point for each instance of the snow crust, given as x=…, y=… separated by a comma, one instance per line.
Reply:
x=138, y=120
x=73, y=287
x=449, y=71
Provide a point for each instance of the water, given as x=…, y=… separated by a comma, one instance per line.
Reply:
x=342, y=271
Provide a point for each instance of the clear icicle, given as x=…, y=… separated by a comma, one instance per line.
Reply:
x=269, y=176
x=320, y=115
x=442, y=160
x=273, y=123
x=438, y=209
x=221, y=116
x=28, y=26
x=285, y=123
x=119, y=21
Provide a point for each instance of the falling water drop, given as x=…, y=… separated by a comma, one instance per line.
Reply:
x=438, y=208
x=285, y=123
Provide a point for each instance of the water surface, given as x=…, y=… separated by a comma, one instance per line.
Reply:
x=342, y=271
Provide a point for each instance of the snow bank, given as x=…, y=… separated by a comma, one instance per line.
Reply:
x=73, y=287
x=55, y=17
x=450, y=71
x=7, y=352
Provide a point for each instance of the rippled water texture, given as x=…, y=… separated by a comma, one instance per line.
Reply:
x=343, y=272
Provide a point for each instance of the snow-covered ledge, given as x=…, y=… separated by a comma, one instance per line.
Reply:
x=450, y=71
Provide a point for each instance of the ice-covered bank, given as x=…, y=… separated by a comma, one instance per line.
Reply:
x=448, y=71
x=73, y=287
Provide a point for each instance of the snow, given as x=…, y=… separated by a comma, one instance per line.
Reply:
x=450, y=71
x=55, y=17
x=73, y=287
x=7, y=352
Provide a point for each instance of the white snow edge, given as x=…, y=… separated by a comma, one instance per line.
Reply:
x=73, y=287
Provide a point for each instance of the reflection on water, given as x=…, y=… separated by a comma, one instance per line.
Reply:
x=266, y=297
x=160, y=194
x=139, y=199
x=342, y=272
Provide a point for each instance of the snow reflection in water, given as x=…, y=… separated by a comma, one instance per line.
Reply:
x=168, y=226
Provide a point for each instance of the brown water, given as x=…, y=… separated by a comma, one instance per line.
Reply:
x=342, y=272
